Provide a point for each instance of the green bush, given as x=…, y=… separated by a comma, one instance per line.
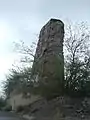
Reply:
x=7, y=108
x=19, y=109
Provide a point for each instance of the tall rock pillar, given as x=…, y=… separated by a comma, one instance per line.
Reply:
x=49, y=60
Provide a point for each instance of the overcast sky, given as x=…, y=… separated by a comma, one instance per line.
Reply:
x=23, y=19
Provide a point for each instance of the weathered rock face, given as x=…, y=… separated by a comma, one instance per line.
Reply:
x=51, y=39
x=49, y=58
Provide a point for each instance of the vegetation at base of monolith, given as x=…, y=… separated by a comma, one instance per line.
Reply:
x=2, y=103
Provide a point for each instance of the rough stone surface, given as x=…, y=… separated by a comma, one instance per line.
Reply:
x=49, y=58
x=51, y=39
x=60, y=108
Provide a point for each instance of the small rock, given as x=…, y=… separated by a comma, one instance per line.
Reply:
x=29, y=117
x=82, y=116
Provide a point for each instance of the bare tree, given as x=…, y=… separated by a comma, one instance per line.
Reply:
x=26, y=52
x=77, y=57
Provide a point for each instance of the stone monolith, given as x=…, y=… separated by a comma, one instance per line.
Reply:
x=49, y=61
